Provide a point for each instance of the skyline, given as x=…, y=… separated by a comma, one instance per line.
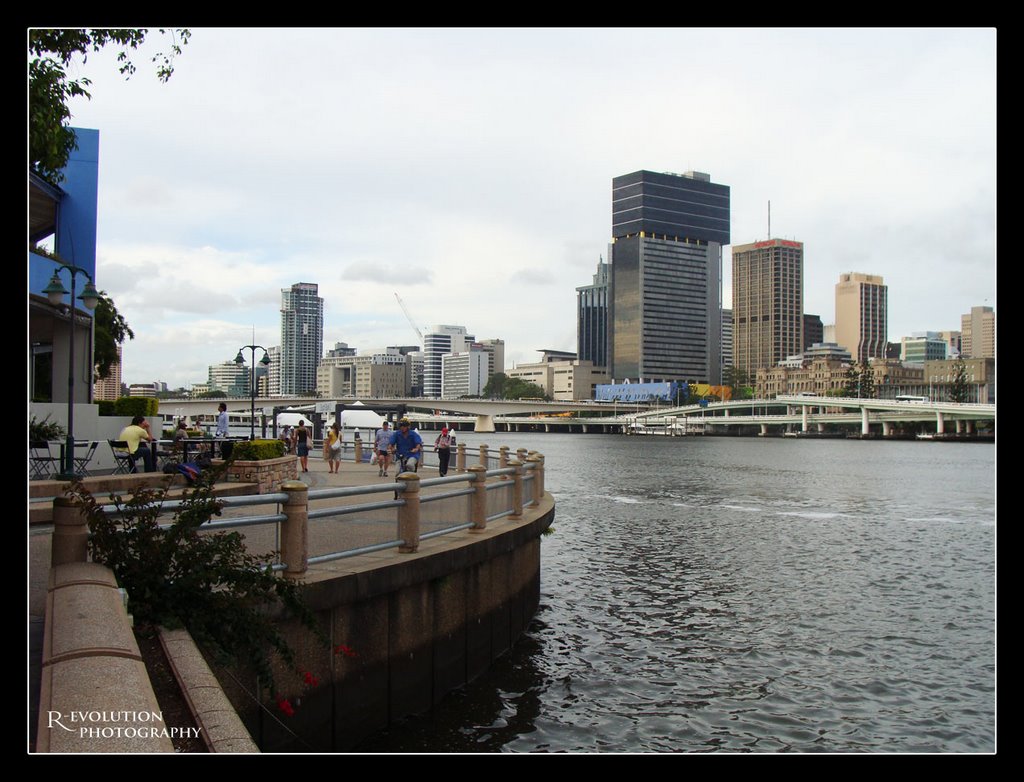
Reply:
x=470, y=171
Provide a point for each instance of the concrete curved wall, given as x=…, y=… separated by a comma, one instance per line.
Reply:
x=413, y=626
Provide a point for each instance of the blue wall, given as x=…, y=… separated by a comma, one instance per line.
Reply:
x=75, y=238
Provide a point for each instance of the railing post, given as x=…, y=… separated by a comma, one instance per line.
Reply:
x=503, y=460
x=478, y=502
x=517, y=489
x=460, y=457
x=358, y=448
x=483, y=456
x=409, y=514
x=70, y=542
x=521, y=454
x=538, y=478
x=294, y=530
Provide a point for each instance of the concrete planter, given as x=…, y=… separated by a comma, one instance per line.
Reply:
x=269, y=474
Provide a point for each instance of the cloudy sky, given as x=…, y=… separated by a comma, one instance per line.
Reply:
x=469, y=170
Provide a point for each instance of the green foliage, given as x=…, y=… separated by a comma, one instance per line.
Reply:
x=51, y=139
x=136, y=405
x=859, y=382
x=111, y=330
x=501, y=386
x=257, y=450
x=45, y=430
x=207, y=582
x=106, y=406
x=959, y=388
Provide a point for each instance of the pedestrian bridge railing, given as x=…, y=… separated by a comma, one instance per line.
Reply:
x=316, y=526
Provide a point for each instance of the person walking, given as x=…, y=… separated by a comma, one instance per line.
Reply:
x=300, y=439
x=443, y=446
x=332, y=448
x=380, y=448
x=222, y=431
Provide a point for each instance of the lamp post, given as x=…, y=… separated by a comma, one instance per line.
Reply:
x=265, y=361
x=55, y=292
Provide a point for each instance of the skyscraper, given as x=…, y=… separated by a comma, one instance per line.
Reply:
x=978, y=333
x=666, y=271
x=302, y=338
x=436, y=342
x=592, y=318
x=767, y=303
x=862, y=315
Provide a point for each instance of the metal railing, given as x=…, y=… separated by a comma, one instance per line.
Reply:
x=499, y=486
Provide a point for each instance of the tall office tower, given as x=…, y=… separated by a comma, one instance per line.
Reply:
x=463, y=373
x=274, y=371
x=495, y=350
x=767, y=303
x=229, y=378
x=814, y=330
x=592, y=318
x=862, y=315
x=727, y=331
x=436, y=342
x=666, y=276
x=978, y=333
x=302, y=338
x=109, y=389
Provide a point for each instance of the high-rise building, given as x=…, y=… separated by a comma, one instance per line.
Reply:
x=923, y=346
x=274, y=371
x=666, y=271
x=109, y=389
x=727, y=331
x=436, y=342
x=862, y=315
x=592, y=318
x=814, y=330
x=302, y=338
x=495, y=350
x=767, y=303
x=463, y=373
x=978, y=333
x=229, y=378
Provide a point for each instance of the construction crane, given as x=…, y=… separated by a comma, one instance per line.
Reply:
x=409, y=317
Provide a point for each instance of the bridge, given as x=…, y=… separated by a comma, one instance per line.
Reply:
x=485, y=410
x=813, y=413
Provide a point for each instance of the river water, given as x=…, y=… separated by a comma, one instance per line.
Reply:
x=746, y=595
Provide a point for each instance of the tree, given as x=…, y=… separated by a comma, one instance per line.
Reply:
x=959, y=388
x=860, y=382
x=51, y=139
x=739, y=381
x=501, y=386
x=111, y=330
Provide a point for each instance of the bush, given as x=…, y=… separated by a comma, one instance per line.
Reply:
x=46, y=430
x=257, y=450
x=132, y=406
x=206, y=582
x=106, y=407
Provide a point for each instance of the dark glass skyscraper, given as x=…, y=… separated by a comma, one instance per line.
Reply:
x=302, y=338
x=666, y=276
x=592, y=318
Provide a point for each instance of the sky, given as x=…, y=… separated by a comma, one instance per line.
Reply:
x=469, y=171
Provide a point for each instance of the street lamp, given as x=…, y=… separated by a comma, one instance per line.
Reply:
x=265, y=361
x=56, y=292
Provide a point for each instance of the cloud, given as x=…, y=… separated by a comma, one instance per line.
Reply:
x=369, y=272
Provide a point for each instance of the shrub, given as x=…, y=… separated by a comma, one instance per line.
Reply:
x=106, y=407
x=132, y=406
x=206, y=582
x=46, y=430
x=257, y=450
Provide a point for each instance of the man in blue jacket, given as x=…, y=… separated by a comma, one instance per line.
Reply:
x=407, y=444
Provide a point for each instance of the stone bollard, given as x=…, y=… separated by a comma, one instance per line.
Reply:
x=70, y=541
x=521, y=454
x=483, y=456
x=358, y=451
x=517, y=489
x=294, y=530
x=478, y=502
x=503, y=460
x=460, y=457
x=409, y=513
x=538, y=479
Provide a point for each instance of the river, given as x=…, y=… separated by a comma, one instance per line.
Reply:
x=731, y=594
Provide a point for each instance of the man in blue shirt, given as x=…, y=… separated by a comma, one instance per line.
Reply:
x=407, y=444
